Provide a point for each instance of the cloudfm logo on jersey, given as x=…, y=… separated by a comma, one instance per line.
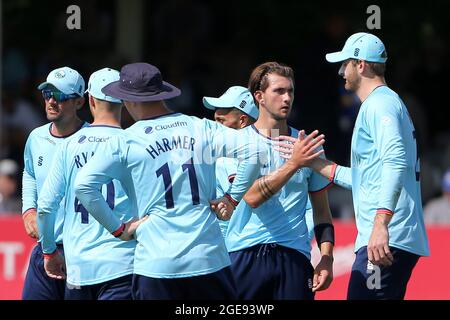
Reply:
x=160, y=127
x=82, y=139
x=148, y=130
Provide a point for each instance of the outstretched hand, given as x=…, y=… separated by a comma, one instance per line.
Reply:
x=302, y=150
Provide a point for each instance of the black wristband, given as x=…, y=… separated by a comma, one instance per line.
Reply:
x=324, y=232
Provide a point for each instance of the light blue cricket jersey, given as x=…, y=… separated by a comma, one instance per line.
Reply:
x=169, y=161
x=40, y=148
x=93, y=255
x=281, y=219
x=226, y=171
x=384, y=172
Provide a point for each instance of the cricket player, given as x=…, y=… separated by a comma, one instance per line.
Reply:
x=268, y=236
x=384, y=176
x=234, y=109
x=168, y=161
x=99, y=265
x=63, y=95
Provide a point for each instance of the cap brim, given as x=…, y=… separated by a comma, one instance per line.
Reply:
x=214, y=103
x=336, y=57
x=114, y=90
x=44, y=85
x=105, y=98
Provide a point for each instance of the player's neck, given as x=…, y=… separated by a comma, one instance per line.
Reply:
x=107, y=120
x=368, y=86
x=62, y=129
x=150, y=110
x=271, y=127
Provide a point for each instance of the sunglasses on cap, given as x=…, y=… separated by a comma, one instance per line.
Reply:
x=58, y=96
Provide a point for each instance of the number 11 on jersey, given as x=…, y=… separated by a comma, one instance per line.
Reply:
x=164, y=171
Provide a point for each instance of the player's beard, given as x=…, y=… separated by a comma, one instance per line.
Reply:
x=54, y=118
x=54, y=114
x=276, y=113
x=353, y=83
x=281, y=116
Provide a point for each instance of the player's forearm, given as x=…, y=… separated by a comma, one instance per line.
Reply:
x=46, y=216
x=46, y=227
x=391, y=148
x=333, y=172
x=343, y=177
x=49, y=201
x=325, y=238
x=321, y=216
x=324, y=167
x=391, y=182
x=321, y=208
x=323, y=223
x=29, y=192
x=265, y=187
x=326, y=249
x=247, y=172
x=92, y=199
x=52, y=192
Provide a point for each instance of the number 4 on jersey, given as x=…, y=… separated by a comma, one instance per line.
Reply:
x=78, y=207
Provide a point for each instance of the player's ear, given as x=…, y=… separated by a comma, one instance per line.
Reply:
x=79, y=103
x=243, y=120
x=259, y=97
x=362, y=66
x=91, y=101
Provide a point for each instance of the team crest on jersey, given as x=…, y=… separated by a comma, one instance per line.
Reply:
x=148, y=130
x=82, y=139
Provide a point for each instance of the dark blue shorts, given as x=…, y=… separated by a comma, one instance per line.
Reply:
x=37, y=285
x=271, y=271
x=214, y=286
x=381, y=283
x=115, y=289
